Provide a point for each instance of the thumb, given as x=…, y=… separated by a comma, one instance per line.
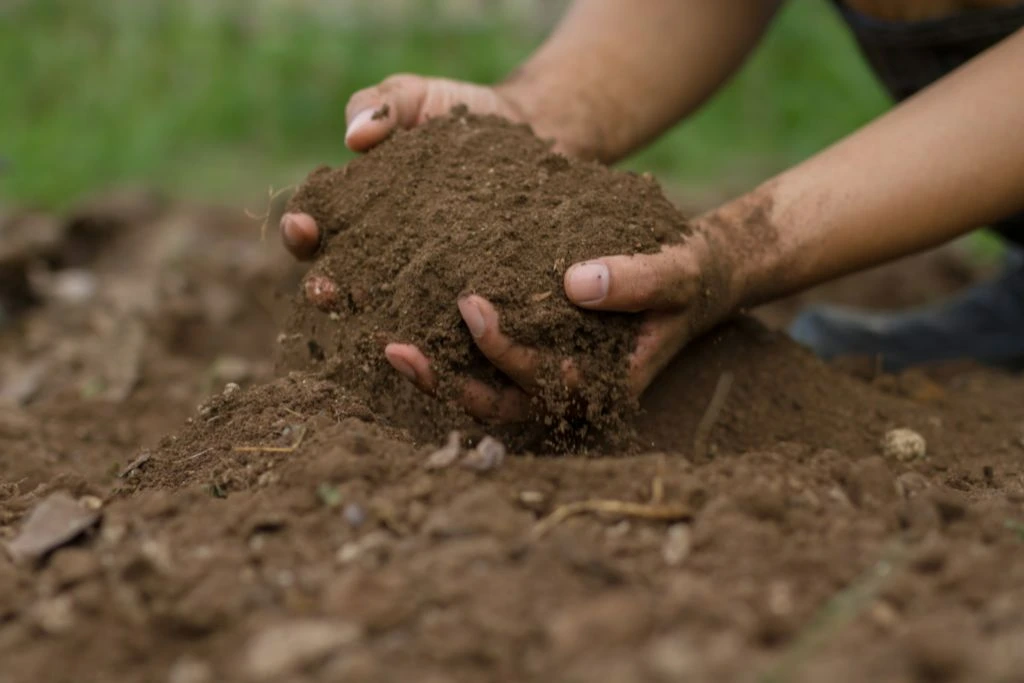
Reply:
x=667, y=280
x=374, y=112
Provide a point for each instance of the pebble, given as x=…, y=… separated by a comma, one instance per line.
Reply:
x=190, y=670
x=488, y=455
x=905, y=445
x=57, y=520
x=532, y=500
x=678, y=542
x=354, y=515
x=74, y=286
x=282, y=649
x=372, y=542
x=55, y=615
x=447, y=454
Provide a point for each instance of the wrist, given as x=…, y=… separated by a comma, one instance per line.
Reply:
x=745, y=256
x=556, y=113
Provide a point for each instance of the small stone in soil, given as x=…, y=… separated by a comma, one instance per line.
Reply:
x=447, y=454
x=677, y=544
x=531, y=499
x=904, y=444
x=190, y=670
x=284, y=648
x=354, y=515
x=54, y=615
x=488, y=455
x=52, y=523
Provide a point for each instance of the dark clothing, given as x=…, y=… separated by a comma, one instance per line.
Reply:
x=909, y=56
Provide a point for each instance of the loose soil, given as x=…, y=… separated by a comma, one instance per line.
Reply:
x=256, y=527
x=470, y=204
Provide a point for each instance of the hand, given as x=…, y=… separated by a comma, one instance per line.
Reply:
x=679, y=291
x=401, y=101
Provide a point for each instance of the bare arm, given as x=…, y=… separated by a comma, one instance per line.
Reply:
x=615, y=74
x=945, y=162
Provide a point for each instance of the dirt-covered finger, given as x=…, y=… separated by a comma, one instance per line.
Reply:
x=660, y=337
x=410, y=362
x=374, y=112
x=668, y=280
x=300, y=235
x=522, y=364
x=495, y=406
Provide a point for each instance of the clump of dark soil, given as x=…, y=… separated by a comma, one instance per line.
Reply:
x=471, y=204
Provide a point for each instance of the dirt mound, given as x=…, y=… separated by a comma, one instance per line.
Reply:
x=283, y=530
x=468, y=204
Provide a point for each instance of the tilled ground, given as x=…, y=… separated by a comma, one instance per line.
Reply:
x=164, y=524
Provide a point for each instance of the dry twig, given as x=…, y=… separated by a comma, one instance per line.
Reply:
x=664, y=512
x=265, y=217
x=273, y=449
x=196, y=455
x=135, y=464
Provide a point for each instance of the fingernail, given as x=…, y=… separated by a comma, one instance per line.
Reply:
x=403, y=367
x=473, y=317
x=358, y=121
x=290, y=231
x=587, y=283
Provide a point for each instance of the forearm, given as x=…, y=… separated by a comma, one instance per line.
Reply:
x=616, y=74
x=943, y=163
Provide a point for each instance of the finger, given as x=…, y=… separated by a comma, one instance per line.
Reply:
x=477, y=399
x=374, y=112
x=494, y=406
x=410, y=362
x=521, y=364
x=660, y=337
x=300, y=235
x=663, y=281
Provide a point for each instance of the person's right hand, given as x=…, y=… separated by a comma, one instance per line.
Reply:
x=401, y=101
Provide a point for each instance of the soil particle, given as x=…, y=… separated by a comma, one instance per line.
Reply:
x=486, y=456
x=286, y=648
x=904, y=445
x=468, y=204
x=447, y=454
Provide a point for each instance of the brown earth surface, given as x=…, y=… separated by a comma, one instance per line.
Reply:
x=282, y=530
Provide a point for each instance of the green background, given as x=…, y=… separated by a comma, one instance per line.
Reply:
x=223, y=99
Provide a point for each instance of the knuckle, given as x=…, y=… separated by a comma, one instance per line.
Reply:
x=397, y=82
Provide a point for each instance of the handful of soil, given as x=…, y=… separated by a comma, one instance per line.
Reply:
x=472, y=204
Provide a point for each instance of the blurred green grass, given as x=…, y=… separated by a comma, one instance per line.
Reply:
x=226, y=98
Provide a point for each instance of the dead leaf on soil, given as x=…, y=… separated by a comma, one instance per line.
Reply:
x=56, y=521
